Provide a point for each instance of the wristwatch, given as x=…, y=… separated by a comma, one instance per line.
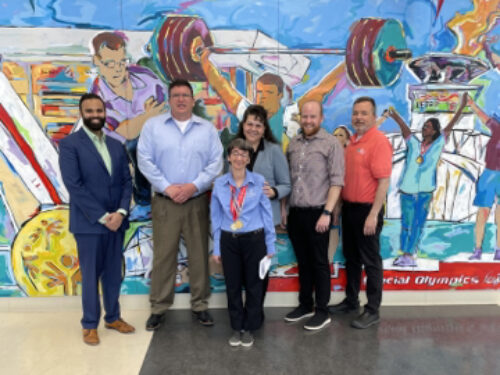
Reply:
x=326, y=212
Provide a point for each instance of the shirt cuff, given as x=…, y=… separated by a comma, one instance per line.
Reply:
x=275, y=193
x=122, y=211
x=102, y=219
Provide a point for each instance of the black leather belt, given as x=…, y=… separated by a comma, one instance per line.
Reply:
x=170, y=199
x=243, y=234
x=356, y=204
x=309, y=208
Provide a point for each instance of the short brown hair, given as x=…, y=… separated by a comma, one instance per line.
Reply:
x=272, y=79
x=113, y=41
x=242, y=144
x=180, y=83
x=369, y=99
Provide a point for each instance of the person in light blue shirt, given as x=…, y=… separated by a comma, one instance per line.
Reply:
x=418, y=179
x=243, y=232
x=180, y=154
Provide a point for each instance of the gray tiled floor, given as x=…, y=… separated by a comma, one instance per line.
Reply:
x=409, y=340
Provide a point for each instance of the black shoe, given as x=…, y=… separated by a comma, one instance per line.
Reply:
x=343, y=308
x=154, y=322
x=318, y=321
x=204, y=318
x=298, y=314
x=365, y=320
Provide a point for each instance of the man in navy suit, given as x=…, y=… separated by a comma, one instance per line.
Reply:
x=96, y=173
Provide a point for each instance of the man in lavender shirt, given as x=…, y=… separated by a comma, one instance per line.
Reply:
x=132, y=94
x=488, y=185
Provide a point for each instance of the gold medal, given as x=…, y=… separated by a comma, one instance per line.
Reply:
x=236, y=225
x=420, y=159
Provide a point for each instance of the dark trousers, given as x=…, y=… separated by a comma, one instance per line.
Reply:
x=142, y=187
x=100, y=257
x=360, y=250
x=311, y=251
x=241, y=255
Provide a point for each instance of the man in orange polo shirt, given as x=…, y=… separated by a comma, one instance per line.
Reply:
x=368, y=164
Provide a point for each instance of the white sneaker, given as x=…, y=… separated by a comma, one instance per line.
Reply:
x=246, y=339
x=235, y=339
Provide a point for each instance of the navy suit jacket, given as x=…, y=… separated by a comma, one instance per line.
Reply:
x=92, y=191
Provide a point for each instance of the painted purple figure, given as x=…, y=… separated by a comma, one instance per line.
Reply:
x=488, y=185
x=132, y=95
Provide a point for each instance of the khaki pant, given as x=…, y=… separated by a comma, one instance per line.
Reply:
x=170, y=220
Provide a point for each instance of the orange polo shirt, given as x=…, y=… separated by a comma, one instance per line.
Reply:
x=367, y=159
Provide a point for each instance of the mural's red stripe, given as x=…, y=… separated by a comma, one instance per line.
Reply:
x=28, y=152
x=450, y=276
x=440, y=4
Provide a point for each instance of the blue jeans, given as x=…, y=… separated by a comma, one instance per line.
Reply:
x=414, y=210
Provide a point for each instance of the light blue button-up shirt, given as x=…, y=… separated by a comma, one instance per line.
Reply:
x=168, y=156
x=255, y=214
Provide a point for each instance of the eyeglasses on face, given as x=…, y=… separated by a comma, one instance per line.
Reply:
x=113, y=63
x=239, y=154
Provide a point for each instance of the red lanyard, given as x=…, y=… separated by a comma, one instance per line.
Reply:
x=237, y=202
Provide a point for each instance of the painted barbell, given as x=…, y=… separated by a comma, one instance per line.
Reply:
x=374, y=53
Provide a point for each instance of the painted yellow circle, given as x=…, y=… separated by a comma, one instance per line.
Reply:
x=44, y=256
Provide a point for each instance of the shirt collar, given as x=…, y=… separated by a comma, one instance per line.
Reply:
x=249, y=179
x=94, y=137
x=135, y=81
x=319, y=134
x=194, y=119
x=369, y=133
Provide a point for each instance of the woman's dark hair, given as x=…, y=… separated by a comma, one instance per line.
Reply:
x=242, y=144
x=260, y=114
x=436, y=126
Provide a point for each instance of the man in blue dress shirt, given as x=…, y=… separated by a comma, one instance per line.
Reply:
x=180, y=154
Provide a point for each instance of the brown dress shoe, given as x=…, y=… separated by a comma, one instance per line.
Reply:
x=90, y=337
x=121, y=326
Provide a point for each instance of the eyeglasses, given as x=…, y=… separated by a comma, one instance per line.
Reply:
x=112, y=63
x=183, y=96
x=236, y=154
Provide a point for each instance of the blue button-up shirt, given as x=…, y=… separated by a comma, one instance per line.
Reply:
x=167, y=156
x=256, y=212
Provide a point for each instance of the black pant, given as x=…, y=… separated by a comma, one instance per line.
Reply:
x=241, y=255
x=311, y=251
x=360, y=250
x=142, y=187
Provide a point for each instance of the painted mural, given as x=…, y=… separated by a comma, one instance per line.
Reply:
x=422, y=60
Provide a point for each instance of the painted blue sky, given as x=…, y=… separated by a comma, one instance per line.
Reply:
x=295, y=23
